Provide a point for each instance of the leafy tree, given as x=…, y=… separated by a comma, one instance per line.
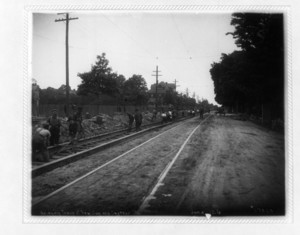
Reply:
x=254, y=75
x=118, y=92
x=206, y=105
x=51, y=95
x=261, y=36
x=135, y=90
x=185, y=102
x=120, y=81
x=233, y=80
x=100, y=80
x=170, y=97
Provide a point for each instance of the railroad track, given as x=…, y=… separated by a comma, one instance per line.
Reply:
x=65, y=153
x=66, y=148
x=37, y=202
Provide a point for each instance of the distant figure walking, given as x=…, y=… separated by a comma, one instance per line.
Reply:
x=164, y=117
x=55, y=125
x=174, y=114
x=169, y=116
x=73, y=125
x=154, y=115
x=138, y=117
x=130, y=121
x=79, y=124
x=193, y=113
x=201, y=113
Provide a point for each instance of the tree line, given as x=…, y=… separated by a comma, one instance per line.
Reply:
x=102, y=86
x=251, y=79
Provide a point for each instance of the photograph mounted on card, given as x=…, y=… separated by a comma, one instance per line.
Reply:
x=158, y=113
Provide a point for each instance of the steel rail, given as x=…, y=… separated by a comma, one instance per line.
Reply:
x=81, y=154
x=38, y=201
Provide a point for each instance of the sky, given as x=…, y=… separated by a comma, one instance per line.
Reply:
x=182, y=45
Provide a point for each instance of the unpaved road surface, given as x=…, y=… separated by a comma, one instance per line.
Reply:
x=228, y=167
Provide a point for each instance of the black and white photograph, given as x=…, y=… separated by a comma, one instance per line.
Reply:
x=149, y=117
x=158, y=113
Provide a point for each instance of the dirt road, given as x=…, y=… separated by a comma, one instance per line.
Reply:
x=227, y=167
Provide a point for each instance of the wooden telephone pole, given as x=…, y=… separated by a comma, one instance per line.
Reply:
x=175, y=81
x=156, y=75
x=67, y=19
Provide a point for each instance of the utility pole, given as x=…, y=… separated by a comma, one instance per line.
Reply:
x=156, y=75
x=187, y=92
x=175, y=81
x=67, y=19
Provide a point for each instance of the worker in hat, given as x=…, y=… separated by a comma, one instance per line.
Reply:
x=130, y=121
x=138, y=117
x=55, y=125
x=75, y=125
x=80, y=129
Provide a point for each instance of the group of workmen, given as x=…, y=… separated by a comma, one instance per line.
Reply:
x=49, y=133
x=136, y=117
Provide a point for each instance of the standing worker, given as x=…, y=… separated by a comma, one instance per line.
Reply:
x=55, y=125
x=80, y=129
x=73, y=125
x=164, y=117
x=201, y=113
x=138, y=120
x=130, y=121
x=154, y=115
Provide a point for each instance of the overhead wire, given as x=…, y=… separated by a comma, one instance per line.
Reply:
x=161, y=59
x=137, y=43
x=129, y=36
x=184, y=44
x=58, y=42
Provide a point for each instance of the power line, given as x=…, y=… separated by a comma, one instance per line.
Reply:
x=82, y=28
x=128, y=35
x=180, y=36
x=183, y=42
x=44, y=37
x=137, y=43
x=57, y=41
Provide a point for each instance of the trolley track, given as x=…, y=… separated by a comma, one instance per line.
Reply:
x=41, y=200
x=66, y=154
x=65, y=149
